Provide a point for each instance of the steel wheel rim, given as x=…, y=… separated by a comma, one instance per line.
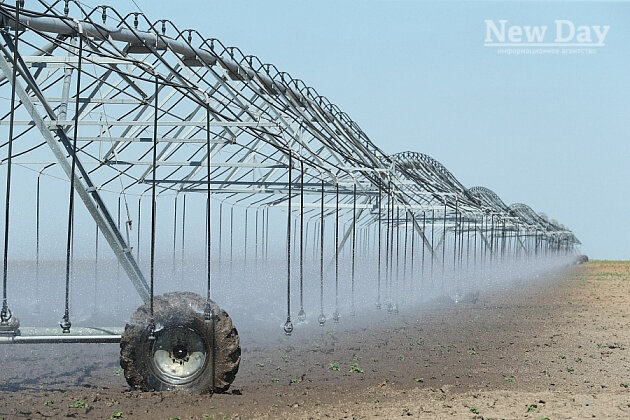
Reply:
x=179, y=355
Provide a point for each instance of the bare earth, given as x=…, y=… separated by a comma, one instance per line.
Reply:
x=553, y=349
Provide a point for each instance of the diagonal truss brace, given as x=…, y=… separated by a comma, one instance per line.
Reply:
x=418, y=229
x=89, y=195
x=485, y=240
x=342, y=243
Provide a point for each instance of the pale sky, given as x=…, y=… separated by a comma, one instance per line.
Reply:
x=546, y=130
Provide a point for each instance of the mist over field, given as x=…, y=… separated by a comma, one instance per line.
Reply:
x=255, y=294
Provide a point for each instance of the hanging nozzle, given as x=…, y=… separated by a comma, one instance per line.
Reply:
x=336, y=317
x=288, y=327
x=65, y=323
x=302, y=315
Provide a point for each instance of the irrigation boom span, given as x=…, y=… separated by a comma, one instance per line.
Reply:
x=120, y=106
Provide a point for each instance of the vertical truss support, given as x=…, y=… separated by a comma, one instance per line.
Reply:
x=84, y=188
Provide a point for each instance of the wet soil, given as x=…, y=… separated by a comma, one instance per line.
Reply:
x=556, y=348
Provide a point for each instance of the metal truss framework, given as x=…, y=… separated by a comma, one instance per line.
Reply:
x=143, y=80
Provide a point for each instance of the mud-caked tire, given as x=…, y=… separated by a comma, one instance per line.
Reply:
x=187, y=353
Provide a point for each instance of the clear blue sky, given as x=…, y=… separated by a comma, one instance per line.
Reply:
x=549, y=131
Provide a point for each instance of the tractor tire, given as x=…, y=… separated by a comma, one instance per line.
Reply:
x=187, y=353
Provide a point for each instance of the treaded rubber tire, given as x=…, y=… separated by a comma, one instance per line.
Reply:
x=174, y=311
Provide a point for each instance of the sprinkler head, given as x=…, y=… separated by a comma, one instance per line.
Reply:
x=301, y=315
x=288, y=327
x=10, y=327
x=65, y=324
x=336, y=317
x=321, y=320
x=5, y=315
x=395, y=309
x=390, y=307
x=378, y=305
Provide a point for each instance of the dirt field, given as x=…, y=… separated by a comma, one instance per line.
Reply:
x=553, y=349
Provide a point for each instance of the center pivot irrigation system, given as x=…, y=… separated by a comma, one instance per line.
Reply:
x=129, y=110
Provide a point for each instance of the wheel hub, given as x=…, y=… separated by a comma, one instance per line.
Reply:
x=180, y=352
x=179, y=355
